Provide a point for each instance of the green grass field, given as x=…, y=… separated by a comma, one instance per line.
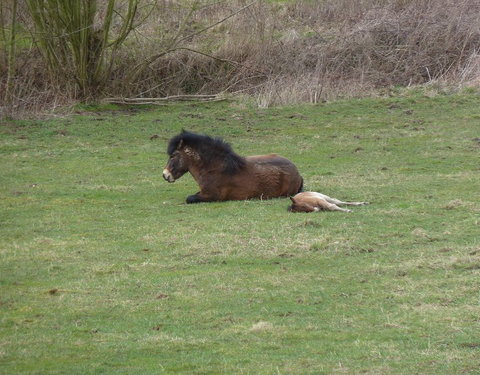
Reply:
x=105, y=270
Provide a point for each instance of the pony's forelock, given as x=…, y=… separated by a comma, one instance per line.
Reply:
x=173, y=144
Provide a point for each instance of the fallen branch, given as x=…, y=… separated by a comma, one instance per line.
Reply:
x=166, y=99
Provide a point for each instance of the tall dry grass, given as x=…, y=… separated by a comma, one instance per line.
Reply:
x=281, y=52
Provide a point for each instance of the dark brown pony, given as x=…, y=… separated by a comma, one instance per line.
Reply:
x=223, y=175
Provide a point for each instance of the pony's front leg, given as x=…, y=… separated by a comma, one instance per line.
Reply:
x=199, y=198
x=195, y=198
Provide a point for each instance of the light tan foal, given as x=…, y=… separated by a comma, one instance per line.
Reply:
x=310, y=201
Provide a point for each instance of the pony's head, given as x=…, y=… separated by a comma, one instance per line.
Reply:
x=299, y=206
x=186, y=149
x=177, y=164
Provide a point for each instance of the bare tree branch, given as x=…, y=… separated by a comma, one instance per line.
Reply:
x=138, y=70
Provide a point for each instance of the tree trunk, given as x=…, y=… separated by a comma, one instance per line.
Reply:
x=11, y=62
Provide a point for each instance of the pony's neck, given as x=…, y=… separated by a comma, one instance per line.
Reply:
x=193, y=159
x=195, y=172
x=199, y=173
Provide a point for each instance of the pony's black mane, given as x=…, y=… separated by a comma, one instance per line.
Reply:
x=211, y=150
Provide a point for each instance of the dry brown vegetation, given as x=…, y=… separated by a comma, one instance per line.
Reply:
x=279, y=52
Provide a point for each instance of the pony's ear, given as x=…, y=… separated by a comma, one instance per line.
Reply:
x=292, y=199
x=180, y=144
x=184, y=131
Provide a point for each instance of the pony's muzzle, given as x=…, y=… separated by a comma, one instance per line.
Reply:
x=168, y=176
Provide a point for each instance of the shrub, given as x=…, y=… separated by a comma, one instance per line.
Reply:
x=279, y=52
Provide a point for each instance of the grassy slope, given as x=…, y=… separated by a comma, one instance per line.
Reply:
x=104, y=269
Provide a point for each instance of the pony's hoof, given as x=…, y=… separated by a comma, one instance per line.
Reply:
x=193, y=199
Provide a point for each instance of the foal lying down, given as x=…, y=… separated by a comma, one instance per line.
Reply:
x=310, y=201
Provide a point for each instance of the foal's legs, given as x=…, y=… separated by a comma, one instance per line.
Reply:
x=334, y=207
x=324, y=205
x=341, y=203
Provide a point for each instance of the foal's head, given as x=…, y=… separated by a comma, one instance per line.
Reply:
x=299, y=206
